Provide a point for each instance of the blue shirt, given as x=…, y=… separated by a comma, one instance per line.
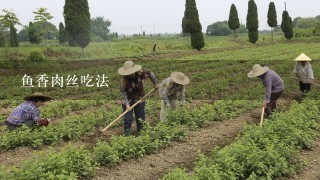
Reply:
x=24, y=112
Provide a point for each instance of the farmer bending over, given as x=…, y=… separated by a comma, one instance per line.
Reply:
x=28, y=113
x=170, y=89
x=273, y=84
x=132, y=90
x=303, y=71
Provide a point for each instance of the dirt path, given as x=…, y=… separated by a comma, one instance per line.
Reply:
x=181, y=154
x=311, y=171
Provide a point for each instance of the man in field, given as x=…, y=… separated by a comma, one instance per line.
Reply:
x=28, y=113
x=132, y=89
x=273, y=84
x=170, y=89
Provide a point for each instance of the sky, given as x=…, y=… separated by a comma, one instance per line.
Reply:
x=160, y=16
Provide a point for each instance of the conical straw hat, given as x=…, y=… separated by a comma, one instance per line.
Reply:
x=37, y=95
x=302, y=57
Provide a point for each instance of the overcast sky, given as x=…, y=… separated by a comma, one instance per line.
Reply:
x=160, y=16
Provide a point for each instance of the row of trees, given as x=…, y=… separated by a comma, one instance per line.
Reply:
x=252, y=24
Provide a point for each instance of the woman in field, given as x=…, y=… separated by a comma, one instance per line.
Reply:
x=170, y=89
x=132, y=89
x=28, y=113
x=273, y=84
x=304, y=73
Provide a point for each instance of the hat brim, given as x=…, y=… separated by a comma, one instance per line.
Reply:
x=305, y=60
x=46, y=98
x=263, y=70
x=132, y=70
x=179, y=81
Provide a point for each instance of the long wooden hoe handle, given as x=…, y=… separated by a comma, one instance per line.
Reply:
x=125, y=112
x=262, y=114
x=308, y=82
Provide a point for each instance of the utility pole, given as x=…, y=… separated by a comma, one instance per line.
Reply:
x=285, y=6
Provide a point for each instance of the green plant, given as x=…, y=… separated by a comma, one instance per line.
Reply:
x=36, y=56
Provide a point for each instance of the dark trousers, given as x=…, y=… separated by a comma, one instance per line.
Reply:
x=138, y=113
x=273, y=103
x=12, y=127
x=304, y=87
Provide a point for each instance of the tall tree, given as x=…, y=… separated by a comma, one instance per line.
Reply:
x=252, y=22
x=286, y=25
x=77, y=22
x=33, y=37
x=62, y=34
x=191, y=24
x=41, y=15
x=7, y=21
x=13, y=36
x=100, y=27
x=272, y=18
x=233, y=21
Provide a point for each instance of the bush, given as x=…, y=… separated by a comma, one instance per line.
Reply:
x=36, y=56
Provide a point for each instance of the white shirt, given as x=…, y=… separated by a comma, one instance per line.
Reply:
x=305, y=72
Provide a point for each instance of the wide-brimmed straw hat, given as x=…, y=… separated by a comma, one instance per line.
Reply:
x=37, y=95
x=302, y=57
x=179, y=78
x=257, y=70
x=129, y=68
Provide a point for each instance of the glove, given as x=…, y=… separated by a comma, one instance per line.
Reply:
x=43, y=122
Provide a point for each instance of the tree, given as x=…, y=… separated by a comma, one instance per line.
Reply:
x=222, y=29
x=41, y=15
x=23, y=35
x=272, y=18
x=100, y=27
x=190, y=21
x=77, y=21
x=33, y=37
x=233, y=21
x=252, y=22
x=191, y=24
x=45, y=29
x=318, y=18
x=286, y=25
x=7, y=21
x=295, y=21
x=2, y=35
x=197, y=40
x=305, y=23
x=13, y=36
x=62, y=34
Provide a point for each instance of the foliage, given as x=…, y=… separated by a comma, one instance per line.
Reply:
x=36, y=56
x=23, y=35
x=9, y=18
x=197, y=40
x=70, y=163
x=100, y=27
x=13, y=36
x=177, y=174
x=63, y=37
x=286, y=25
x=222, y=29
x=45, y=29
x=252, y=21
x=42, y=15
x=305, y=23
x=233, y=21
x=190, y=20
x=272, y=18
x=34, y=38
x=77, y=22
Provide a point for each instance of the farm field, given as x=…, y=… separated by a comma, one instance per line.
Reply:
x=223, y=110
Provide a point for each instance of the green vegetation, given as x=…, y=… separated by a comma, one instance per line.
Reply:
x=233, y=21
x=286, y=25
x=252, y=22
x=272, y=18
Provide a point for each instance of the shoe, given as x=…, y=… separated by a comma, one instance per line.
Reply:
x=127, y=132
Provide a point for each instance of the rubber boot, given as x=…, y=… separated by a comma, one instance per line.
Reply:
x=127, y=132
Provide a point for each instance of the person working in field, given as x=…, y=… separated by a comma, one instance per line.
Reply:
x=28, y=113
x=304, y=72
x=132, y=89
x=170, y=89
x=273, y=84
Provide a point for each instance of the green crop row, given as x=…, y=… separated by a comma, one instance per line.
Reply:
x=262, y=153
x=118, y=149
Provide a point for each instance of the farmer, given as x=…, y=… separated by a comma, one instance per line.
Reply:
x=303, y=71
x=28, y=113
x=171, y=88
x=132, y=90
x=273, y=84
